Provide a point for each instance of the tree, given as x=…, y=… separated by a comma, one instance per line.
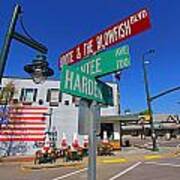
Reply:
x=6, y=97
x=145, y=112
x=7, y=93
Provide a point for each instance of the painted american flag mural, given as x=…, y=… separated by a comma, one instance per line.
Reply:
x=25, y=123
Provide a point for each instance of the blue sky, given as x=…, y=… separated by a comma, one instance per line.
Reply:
x=60, y=25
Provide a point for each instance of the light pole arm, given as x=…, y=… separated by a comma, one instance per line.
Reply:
x=164, y=93
x=29, y=42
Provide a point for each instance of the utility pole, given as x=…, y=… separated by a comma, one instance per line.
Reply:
x=148, y=99
x=117, y=78
x=119, y=113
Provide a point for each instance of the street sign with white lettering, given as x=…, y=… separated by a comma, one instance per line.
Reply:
x=130, y=26
x=80, y=84
x=105, y=62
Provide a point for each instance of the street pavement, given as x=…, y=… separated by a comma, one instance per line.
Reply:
x=159, y=169
x=129, y=164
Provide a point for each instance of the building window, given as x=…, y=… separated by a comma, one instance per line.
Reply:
x=60, y=96
x=75, y=100
x=15, y=101
x=109, y=129
x=66, y=102
x=54, y=96
x=28, y=95
x=48, y=95
x=41, y=102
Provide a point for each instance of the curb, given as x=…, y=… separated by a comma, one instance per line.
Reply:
x=116, y=160
x=16, y=159
x=48, y=166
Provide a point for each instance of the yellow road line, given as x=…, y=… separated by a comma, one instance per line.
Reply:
x=119, y=160
x=149, y=157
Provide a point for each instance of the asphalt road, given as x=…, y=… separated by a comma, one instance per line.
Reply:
x=164, y=169
x=146, y=169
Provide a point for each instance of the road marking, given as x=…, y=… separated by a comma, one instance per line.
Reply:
x=70, y=174
x=149, y=157
x=163, y=164
x=119, y=160
x=125, y=171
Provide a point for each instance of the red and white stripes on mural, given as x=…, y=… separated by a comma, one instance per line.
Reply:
x=25, y=123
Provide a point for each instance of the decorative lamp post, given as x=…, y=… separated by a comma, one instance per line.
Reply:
x=39, y=70
x=39, y=66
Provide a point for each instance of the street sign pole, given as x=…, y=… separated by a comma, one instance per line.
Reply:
x=80, y=79
x=92, y=142
x=83, y=117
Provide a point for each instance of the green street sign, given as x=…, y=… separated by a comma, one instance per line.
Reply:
x=104, y=62
x=80, y=84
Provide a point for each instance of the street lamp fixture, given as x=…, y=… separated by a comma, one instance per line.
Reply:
x=148, y=97
x=146, y=62
x=150, y=51
x=39, y=70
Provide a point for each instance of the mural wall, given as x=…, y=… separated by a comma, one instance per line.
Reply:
x=22, y=129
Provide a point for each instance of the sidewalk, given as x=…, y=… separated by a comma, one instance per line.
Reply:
x=59, y=163
x=135, y=154
x=16, y=159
